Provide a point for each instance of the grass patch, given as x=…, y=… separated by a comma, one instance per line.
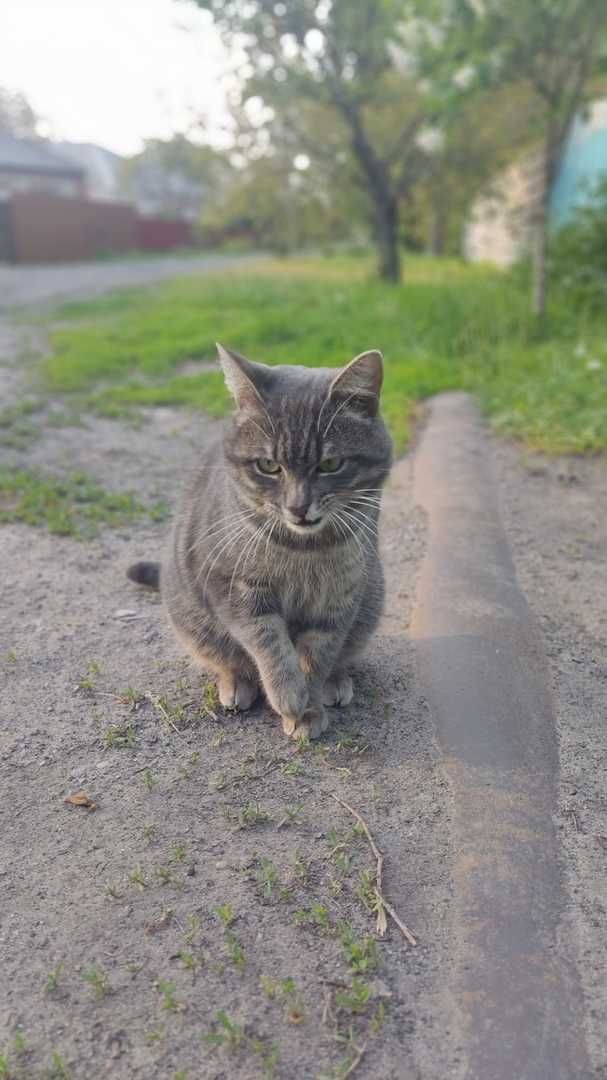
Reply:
x=70, y=506
x=16, y=426
x=450, y=327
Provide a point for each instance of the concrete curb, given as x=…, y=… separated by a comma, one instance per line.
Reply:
x=516, y=1006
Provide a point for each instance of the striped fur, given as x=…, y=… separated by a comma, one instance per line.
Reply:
x=274, y=581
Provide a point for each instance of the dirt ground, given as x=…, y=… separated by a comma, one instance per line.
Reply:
x=218, y=888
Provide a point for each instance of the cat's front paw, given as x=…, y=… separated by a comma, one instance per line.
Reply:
x=290, y=700
x=314, y=721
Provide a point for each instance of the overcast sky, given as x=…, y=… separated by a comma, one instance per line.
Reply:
x=112, y=71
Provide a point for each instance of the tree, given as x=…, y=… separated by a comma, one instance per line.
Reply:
x=175, y=176
x=479, y=140
x=556, y=48
x=16, y=115
x=356, y=59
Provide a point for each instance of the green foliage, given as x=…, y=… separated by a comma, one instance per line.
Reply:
x=98, y=981
x=16, y=115
x=452, y=327
x=182, y=173
x=70, y=506
x=578, y=253
x=228, y=1032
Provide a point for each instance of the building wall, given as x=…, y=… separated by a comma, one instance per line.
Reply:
x=498, y=227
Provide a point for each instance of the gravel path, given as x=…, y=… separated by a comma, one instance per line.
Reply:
x=31, y=285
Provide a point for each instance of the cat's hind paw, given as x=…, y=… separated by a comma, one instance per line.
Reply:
x=237, y=692
x=338, y=690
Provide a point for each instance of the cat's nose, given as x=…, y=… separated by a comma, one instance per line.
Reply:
x=297, y=513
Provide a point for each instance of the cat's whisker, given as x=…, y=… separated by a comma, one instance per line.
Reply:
x=220, y=545
x=361, y=524
x=269, y=537
x=365, y=512
x=247, y=548
x=354, y=536
x=334, y=520
x=367, y=500
x=222, y=553
x=371, y=513
x=373, y=501
x=267, y=530
x=368, y=534
x=222, y=536
x=224, y=524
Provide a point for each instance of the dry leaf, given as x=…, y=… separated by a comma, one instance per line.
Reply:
x=80, y=798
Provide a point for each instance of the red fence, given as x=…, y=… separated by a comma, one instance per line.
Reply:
x=45, y=228
x=158, y=234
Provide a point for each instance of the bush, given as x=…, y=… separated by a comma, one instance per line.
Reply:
x=578, y=254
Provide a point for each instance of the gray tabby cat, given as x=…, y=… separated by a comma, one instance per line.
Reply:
x=273, y=575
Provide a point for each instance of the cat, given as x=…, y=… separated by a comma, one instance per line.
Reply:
x=273, y=579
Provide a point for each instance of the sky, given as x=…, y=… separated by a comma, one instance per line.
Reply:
x=114, y=72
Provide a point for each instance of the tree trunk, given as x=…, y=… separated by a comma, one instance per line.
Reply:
x=539, y=252
x=539, y=229
x=387, y=240
x=379, y=190
x=438, y=227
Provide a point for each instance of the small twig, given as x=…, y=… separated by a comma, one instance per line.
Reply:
x=326, y=1012
x=156, y=702
x=383, y=904
x=401, y=926
x=361, y=1050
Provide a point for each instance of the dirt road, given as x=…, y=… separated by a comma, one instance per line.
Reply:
x=213, y=916
x=30, y=285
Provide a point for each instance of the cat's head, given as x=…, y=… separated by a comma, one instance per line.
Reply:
x=307, y=446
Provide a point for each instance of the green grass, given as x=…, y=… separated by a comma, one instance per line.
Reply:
x=450, y=327
x=70, y=506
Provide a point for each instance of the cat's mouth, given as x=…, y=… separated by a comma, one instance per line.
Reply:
x=305, y=528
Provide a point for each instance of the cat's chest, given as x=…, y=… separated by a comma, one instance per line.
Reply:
x=314, y=588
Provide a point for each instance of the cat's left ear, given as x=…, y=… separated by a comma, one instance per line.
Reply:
x=360, y=382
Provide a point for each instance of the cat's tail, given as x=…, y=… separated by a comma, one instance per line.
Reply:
x=145, y=573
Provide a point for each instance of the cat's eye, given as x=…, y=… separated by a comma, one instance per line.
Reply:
x=267, y=466
x=330, y=464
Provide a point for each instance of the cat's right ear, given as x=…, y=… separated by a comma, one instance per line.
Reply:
x=243, y=379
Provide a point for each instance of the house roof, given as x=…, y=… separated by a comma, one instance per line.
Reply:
x=34, y=156
x=102, y=167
